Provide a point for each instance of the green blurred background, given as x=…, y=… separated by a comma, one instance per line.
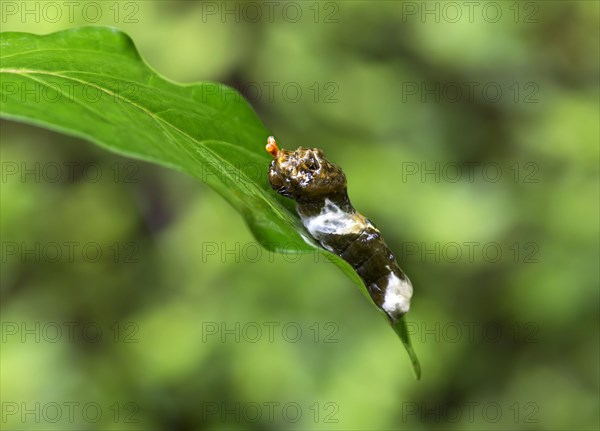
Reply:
x=468, y=132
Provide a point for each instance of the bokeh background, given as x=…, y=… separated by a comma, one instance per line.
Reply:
x=135, y=298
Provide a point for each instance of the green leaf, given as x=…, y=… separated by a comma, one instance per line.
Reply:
x=91, y=82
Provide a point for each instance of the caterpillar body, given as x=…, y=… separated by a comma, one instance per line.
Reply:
x=319, y=188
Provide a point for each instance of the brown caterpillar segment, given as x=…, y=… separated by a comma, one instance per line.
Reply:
x=320, y=190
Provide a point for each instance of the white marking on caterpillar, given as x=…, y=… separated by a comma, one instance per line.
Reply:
x=397, y=296
x=332, y=220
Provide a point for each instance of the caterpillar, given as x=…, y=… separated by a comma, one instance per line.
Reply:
x=319, y=188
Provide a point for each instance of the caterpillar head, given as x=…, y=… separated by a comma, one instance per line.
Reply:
x=305, y=174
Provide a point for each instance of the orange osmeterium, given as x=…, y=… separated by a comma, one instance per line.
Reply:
x=272, y=147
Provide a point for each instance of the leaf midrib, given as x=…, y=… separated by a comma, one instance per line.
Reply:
x=114, y=54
